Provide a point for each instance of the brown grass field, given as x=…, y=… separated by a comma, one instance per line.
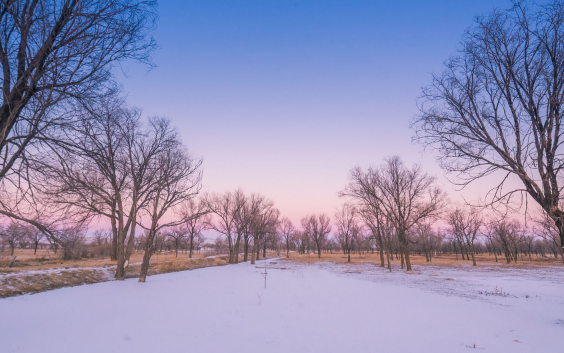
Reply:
x=38, y=273
x=447, y=260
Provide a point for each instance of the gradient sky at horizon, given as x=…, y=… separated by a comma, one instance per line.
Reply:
x=285, y=97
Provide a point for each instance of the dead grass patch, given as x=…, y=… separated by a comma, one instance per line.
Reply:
x=445, y=260
x=17, y=282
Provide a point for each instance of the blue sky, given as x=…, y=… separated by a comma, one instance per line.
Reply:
x=284, y=97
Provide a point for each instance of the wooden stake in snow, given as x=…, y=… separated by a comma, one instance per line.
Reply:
x=264, y=273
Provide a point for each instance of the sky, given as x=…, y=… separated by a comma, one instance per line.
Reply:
x=283, y=98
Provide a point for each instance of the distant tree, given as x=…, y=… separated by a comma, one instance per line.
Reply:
x=177, y=234
x=177, y=178
x=510, y=235
x=12, y=235
x=72, y=241
x=263, y=224
x=286, y=229
x=428, y=239
x=406, y=196
x=196, y=215
x=465, y=223
x=347, y=225
x=224, y=207
x=317, y=228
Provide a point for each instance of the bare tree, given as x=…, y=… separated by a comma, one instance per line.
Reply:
x=465, y=223
x=263, y=223
x=198, y=242
x=35, y=237
x=347, y=226
x=286, y=229
x=317, y=227
x=11, y=235
x=509, y=234
x=547, y=230
x=428, y=239
x=72, y=241
x=54, y=53
x=177, y=179
x=497, y=106
x=195, y=213
x=373, y=216
x=177, y=234
x=247, y=209
x=224, y=207
x=407, y=196
x=104, y=169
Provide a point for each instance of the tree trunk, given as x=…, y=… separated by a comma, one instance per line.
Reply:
x=494, y=250
x=560, y=226
x=120, y=270
x=246, y=249
x=146, y=259
x=405, y=251
x=113, y=249
x=381, y=246
x=253, y=252
x=236, y=252
x=130, y=242
x=472, y=251
x=401, y=256
x=191, y=245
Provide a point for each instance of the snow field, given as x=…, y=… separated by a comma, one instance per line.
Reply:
x=305, y=308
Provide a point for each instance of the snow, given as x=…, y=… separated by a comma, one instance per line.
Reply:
x=305, y=308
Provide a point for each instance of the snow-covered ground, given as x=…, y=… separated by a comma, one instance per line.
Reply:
x=306, y=308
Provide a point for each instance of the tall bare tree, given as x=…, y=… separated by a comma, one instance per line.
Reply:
x=177, y=178
x=105, y=169
x=373, y=217
x=248, y=208
x=264, y=223
x=54, y=53
x=347, y=225
x=317, y=227
x=286, y=229
x=497, y=106
x=465, y=223
x=195, y=213
x=509, y=234
x=406, y=195
x=224, y=207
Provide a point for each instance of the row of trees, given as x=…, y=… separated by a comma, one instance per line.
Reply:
x=78, y=244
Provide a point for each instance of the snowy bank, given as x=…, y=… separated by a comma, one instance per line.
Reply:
x=305, y=308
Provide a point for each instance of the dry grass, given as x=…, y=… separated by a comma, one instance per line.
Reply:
x=446, y=260
x=44, y=260
x=34, y=274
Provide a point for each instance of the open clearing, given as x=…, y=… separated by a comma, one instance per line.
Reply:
x=318, y=307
